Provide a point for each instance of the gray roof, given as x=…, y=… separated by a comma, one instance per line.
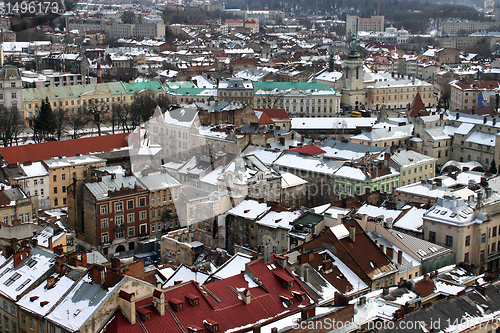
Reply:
x=158, y=181
x=357, y=147
x=419, y=246
x=100, y=189
x=405, y=158
x=193, y=193
x=186, y=113
x=20, y=232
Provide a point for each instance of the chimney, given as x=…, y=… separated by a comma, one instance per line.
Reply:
x=306, y=274
x=159, y=301
x=98, y=274
x=426, y=277
x=59, y=250
x=457, y=115
x=481, y=290
x=256, y=328
x=400, y=257
x=385, y=291
x=51, y=281
x=84, y=258
x=362, y=300
x=390, y=252
x=308, y=312
x=127, y=302
x=19, y=257
x=340, y=300
x=246, y=296
x=381, y=246
x=485, y=119
x=274, y=330
x=116, y=265
x=50, y=243
x=352, y=233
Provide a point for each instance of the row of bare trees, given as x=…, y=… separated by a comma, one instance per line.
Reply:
x=55, y=124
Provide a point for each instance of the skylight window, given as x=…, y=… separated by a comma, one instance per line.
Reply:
x=443, y=212
x=23, y=284
x=12, y=279
x=5, y=272
x=436, y=211
x=453, y=215
x=32, y=262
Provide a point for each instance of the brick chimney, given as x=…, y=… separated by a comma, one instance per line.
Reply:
x=59, y=250
x=385, y=291
x=340, y=300
x=159, y=301
x=98, y=274
x=426, y=277
x=400, y=257
x=50, y=243
x=116, y=265
x=308, y=312
x=19, y=257
x=51, y=281
x=127, y=302
x=390, y=252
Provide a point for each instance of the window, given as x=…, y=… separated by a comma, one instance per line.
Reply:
x=55, y=202
x=118, y=206
x=130, y=204
x=449, y=241
x=466, y=257
x=467, y=241
x=104, y=223
x=23, y=320
x=104, y=237
x=63, y=177
x=5, y=306
x=13, y=95
x=54, y=178
x=131, y=231
x=31, y=324
x=55, y=190
x=152, y=200
x=153, y=227
x=10, y=281
x=142, y=215
x=483, y=238
x=493, y=247
x=104, y=209
x=13, y=310
x=119, y=220
x=142, y=202
x=41, y=181
x=494, y=232
x=40, y=327
x=432, y=236
x=130, y=218
x=64, y=189
x=481, y=255
x=119, y=233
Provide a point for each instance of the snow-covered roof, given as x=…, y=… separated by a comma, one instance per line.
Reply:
x=411, y=220
x=183, y=273
x=290, y=180
x=249, y=209
x=375, y=211
x=36, y=169
x=279, y=219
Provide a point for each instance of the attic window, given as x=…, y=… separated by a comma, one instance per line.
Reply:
x=192, y=299
x=400, y=236
x=373, y=264
x=301, y=296
x=211, y=325
x=43, y=303
x=340, y=276
x=246, y=211
x=443, y=212
x=271, y=267
x=278, y=220
x=436, y=211
x=176, y=304
x=287, y=301
x=77, y=312
x=144, y=313
x=194, y=329
x=453, y=215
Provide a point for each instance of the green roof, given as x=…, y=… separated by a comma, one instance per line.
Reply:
x=313, y=86
x=308, y=218
x=136, y=87
x=76, y=91
x=180, y=84
x=205, y=92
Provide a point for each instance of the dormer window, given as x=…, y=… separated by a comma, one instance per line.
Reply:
x=211, y=325
x=299, y=295
x=286, y=300
x=192, y=299
x=194, y=329
x=176, y=304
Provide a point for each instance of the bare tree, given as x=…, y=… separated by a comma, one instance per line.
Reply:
x=60, y=121
x=11, y=125
x=271, y=99
x=77, y=123
x=120, y=116
x=97, y=111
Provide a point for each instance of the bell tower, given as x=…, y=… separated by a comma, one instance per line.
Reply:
x=353, y=92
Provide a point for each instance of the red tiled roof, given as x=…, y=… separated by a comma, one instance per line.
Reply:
x=47, y=150
x=309, y=150
x=221, y=301
x=471, y=84
x=120, y=323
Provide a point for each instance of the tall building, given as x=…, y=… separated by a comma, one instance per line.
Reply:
x=353, y=92
x=354, y=23
x=11, y=88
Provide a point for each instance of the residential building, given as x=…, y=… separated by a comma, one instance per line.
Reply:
x=35, y=183
x=299, y=99
x=412, y=166
x=15, y=207
x=63, y=171
x=162, y=190
x=452, y=28
x=274, y=117
x=236, y=90
x=358, y=252
x=467, y=227
x=293, y=190
x=116, y=214
x=11, y=88
x=272, y=230
x=388, y=135
x=25, y=268
x=465, y=92
x=355, y=23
